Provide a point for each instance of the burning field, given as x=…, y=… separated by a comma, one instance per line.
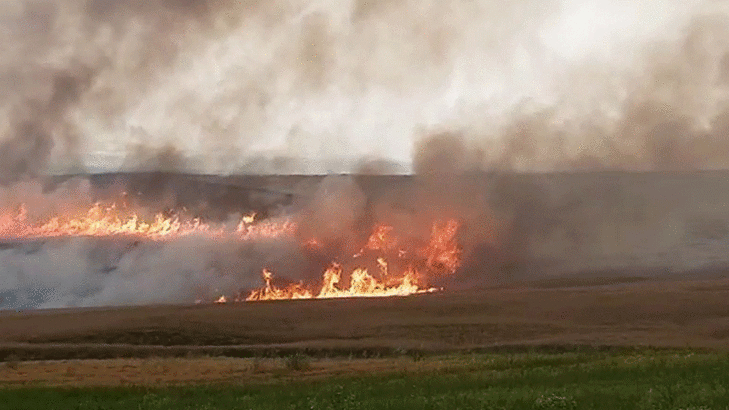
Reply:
x=354, y=258
x=295, y=179
x=251, y=151
x=87, y=242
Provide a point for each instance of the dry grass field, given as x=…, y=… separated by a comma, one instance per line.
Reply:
x=649, y=313
x=635, y=345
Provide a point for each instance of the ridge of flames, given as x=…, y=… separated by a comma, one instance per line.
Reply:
x=113, y=221
x=362, y=284
x=442, y=253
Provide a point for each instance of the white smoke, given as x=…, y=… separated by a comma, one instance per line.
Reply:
x=310, y=86
x=73, y=272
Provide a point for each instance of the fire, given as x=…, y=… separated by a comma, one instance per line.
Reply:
x=313, y=243
x=381, y=239
x=362, y=284
x=441, y=253
x=399, y=266
x=99, y=221
x=222, y=299
x=248, y=219
x=270, y=292
x=382, y=264
x=111, y=220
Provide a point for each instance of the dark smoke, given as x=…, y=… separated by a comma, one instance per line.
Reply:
x=36, y=125
x=62, y=60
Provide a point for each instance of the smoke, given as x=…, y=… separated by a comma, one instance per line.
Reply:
x=65, y=66
x=79, y=272
x=659, y=104
x=513, y=226
x=655, y=100
x=334, y=210
x=298, y=86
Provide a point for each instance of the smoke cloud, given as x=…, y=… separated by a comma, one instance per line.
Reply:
x=297, y=86
x=77, y=272
x=659, y=104
x=513, y=227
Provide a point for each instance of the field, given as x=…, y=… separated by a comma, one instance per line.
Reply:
x=648, y=313
x=625, y=321
x=637, y=344
x=591, y=380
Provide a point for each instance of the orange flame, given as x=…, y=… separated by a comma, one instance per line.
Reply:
x=361, y=285
x=381, y=239
x=441, y=253
x=270, y=292
x=99, y=221
x=222, y=299
x=249, y=230
x=364, y=285
x=382, y=263
x=102, y=221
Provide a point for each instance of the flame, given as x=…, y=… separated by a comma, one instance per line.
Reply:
x=441, y=253
x=270, y=292
x=102, y=221
x=111, y=220
x=362, y=284
x=313, y=243
x=400, y=266
x=381, y=239
x=249, y=230
x=382, y=263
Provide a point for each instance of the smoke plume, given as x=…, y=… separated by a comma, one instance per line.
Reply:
x=297, y=86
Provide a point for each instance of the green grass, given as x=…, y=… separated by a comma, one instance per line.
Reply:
x=648, y=380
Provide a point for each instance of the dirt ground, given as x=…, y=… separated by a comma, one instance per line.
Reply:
x=650, y=313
